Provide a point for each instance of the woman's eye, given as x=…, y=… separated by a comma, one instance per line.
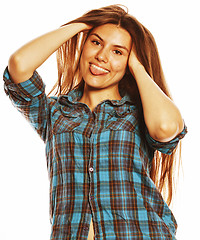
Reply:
x=117, y=52
x=96, y=42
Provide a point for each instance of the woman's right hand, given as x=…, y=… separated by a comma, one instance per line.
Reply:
x=82, y=26
x=28, y=58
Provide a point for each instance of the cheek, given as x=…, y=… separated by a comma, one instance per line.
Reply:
x=88, y=51
x=119, y=66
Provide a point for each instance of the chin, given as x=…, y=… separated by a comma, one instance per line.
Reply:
x=94, y=86
x=93, y=82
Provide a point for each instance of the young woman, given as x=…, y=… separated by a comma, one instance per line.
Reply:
x=111, y=130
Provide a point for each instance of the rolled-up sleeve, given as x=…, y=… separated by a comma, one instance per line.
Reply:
x=166, y=147
x=30, y=99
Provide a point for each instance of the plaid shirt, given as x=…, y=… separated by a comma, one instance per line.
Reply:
x=98, y=165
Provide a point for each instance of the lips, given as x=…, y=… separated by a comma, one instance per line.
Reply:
x=97, y=70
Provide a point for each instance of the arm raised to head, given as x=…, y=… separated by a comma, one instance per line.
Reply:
x=29, y=57
x=162, y=117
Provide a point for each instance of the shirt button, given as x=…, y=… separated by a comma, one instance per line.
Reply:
x=91, y=169
x=86, y=228
x=91, y=197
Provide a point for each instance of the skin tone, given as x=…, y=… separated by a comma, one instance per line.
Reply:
x=103, y=63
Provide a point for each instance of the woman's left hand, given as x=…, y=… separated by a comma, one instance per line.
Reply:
x=133, y=61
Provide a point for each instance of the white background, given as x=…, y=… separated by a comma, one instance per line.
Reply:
x=24, y=185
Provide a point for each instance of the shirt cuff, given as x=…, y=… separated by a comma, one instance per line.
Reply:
x=27, y=90
x=166, y=147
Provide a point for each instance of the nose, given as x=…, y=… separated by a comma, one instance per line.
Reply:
x=101, y=56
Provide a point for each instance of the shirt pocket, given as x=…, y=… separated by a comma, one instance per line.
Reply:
x=122, y=120
x=66, y=120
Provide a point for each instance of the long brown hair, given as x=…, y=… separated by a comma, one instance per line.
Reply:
x=69, y=76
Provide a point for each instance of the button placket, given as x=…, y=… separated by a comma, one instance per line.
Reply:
x=91, y=169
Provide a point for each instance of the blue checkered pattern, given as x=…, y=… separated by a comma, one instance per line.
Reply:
x=98, y=165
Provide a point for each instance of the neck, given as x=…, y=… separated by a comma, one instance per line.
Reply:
x=92, y=97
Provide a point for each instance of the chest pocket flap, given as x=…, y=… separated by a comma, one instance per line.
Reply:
x=122, y=119
x=67, y=119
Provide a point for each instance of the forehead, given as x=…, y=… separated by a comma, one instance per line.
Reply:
x=113, y=34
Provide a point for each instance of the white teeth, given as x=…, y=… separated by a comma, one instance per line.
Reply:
x=99, y=68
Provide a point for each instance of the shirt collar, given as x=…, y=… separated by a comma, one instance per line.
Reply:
x=75, y=95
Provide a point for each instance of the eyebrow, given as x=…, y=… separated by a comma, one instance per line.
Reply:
x=116, y=45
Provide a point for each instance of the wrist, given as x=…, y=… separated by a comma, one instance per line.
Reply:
x=136, y=69
x=79, y=26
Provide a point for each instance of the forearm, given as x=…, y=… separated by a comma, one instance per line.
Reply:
x=162, y=117
x=28, y=58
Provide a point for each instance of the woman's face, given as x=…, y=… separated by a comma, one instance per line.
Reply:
x=105, y=55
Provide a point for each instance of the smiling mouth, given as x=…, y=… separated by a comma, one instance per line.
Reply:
x=96, y=70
